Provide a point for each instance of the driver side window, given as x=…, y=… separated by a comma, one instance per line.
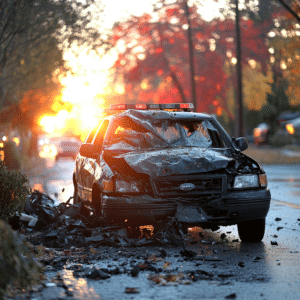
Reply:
x=98, y=141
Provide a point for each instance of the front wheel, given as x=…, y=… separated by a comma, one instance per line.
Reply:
x=96, y=200
x=252, y=231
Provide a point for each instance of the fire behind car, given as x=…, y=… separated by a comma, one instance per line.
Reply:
x=153, y=162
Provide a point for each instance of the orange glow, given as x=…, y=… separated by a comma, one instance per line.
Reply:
x=257, y=132
x=290, y=128
x=16, y=140
x=79, y=108
x=56, y=123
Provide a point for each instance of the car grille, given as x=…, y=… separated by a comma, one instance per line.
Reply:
x=204, y=185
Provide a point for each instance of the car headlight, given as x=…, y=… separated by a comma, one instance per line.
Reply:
x=121, y=186
x=246, y=181
x=128, y=186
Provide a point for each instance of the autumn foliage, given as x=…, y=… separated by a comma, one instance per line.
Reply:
x=153, y=56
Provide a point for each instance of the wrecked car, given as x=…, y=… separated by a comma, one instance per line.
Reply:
x=148, y=163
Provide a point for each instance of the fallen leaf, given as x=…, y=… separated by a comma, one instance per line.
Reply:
x=93, y=251
x=142, y=266
x=167, y=265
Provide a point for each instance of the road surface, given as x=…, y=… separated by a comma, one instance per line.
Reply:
x=223, y=267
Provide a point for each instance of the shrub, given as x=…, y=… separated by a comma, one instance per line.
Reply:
x=13, y=191
x=18, y=266
x=11, y=156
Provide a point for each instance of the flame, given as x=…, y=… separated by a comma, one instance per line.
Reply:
x=56, y=123
x=85, y=105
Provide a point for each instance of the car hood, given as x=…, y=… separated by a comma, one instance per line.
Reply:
x=177, y=161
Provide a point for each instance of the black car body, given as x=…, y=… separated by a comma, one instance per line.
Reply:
x=139, y=167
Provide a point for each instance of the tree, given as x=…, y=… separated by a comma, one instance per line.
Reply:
x=285, y=59
x=153, y=60
x=28, y=39
x=31, y=53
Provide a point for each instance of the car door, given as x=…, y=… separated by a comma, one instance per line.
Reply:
x=81, y=161
x=89, y=165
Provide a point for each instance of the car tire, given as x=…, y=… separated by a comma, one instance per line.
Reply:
x=96, y=200
x=252, y=231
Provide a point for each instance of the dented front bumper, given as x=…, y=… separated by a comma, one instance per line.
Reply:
x=136, y=210
x=234, y=207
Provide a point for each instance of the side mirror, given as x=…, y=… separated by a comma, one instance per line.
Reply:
x=241, y=143
x=88, y=150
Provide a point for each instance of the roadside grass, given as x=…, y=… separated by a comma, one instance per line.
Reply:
x=267, y=155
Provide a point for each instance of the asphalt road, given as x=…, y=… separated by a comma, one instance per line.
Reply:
x=223, y=267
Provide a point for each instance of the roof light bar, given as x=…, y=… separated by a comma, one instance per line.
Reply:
x=118, y=106
x=152, y=106
x=177, y=106
x=141, y=106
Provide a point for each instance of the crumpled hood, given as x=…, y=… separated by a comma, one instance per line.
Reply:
x=176, y=161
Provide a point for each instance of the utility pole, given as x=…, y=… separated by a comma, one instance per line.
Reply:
x=191, y=56
x=239, y=124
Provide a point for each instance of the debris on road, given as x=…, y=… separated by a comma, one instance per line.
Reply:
x=132, y=290
x=169, y=279
x=97, y=274
x=64, y=225
x=231, y=296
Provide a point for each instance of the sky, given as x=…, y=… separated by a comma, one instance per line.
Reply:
x=115, y=10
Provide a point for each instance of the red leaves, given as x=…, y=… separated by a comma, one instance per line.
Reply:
x=171, y=12
x=166, y=62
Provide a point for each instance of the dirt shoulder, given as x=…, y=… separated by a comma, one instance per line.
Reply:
x=267, y=155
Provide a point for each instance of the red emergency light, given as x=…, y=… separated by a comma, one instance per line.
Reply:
x=141, y=106
x=166, y=106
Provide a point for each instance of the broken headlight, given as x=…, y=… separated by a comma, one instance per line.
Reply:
x=246, y=181
x=121, y=186
x=128, y=186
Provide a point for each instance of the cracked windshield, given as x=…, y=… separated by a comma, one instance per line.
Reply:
x=163, y=134
x=149, y=149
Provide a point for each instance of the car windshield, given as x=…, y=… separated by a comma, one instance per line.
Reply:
x=128, y=136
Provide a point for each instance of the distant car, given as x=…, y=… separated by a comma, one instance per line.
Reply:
x=261, y=134
x=291, y=128
x=150, y=163
x=68, y=147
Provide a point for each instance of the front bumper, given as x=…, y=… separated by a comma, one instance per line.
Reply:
x=136, y=210
x=234, y=207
